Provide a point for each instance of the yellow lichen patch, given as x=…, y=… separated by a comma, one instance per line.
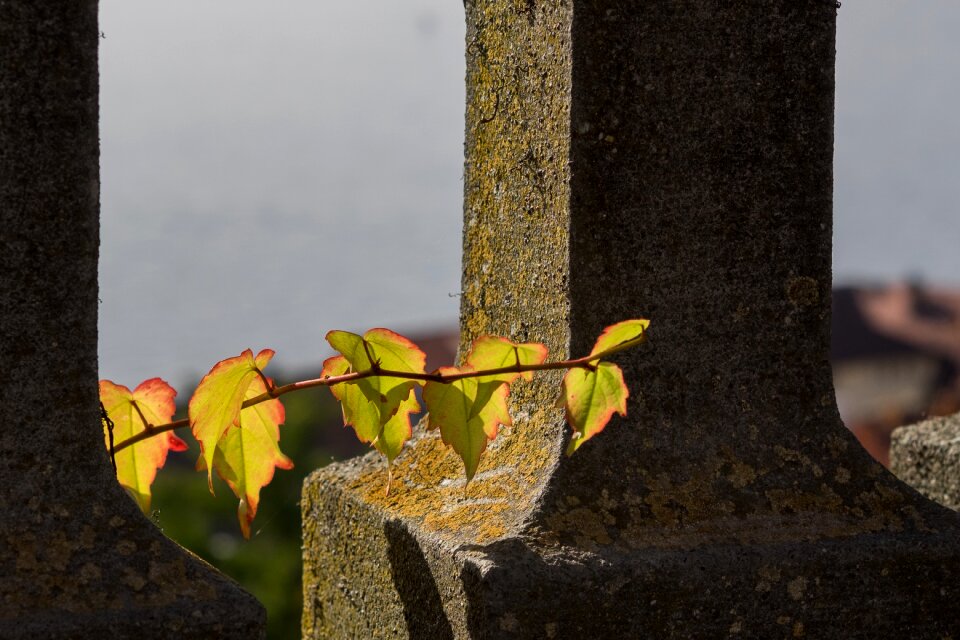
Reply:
x=690, y=501
x=26, y=553
x=767, y=577
x=793, y=501
x=90, y=572
x=883, y=503
x=741, y=474
x=803, y=291
x=591, y=526
x=133, y=579
x=58, y=551
x=125, y=547
x=429, y=487
x=69, y=567
x=797, y=587
x=796, y=457
x=842, y=475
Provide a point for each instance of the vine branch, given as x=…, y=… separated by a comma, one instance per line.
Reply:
x=328, y=381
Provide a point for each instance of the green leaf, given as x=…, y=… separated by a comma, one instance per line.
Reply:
x=468, y=413
x=137, y=464
x=620, y=336
x=247, y=454
x=215, y=405
x=383, y=349
x=494, y=352
x=372, y=424
x=591, y=396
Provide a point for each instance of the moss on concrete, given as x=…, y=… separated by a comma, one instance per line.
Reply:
x=671, y=161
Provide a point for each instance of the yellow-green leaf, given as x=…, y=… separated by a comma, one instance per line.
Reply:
x=468, y=412
x=620, y=336
x=247, y=454
x=591, y=396
x=494, y=352
x=387, y=350
x=137, y=464
x=215, y=405
x=391, y=350
x=387, y=432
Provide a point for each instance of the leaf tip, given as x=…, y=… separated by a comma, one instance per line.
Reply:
x=386, y=489
x=245, y=515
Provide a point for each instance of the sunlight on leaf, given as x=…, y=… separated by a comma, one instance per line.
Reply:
x=591, y=395
x=215, y=405
x=246, y=455
x=591, y=398
x=493, y=352
x=387, y=432
x=137, y=464
x=468, y=413
x=384, y=418
x=621, y=336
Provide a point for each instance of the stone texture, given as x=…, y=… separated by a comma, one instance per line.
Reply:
x=77, y=558
x=927, y=457
x=671, y=160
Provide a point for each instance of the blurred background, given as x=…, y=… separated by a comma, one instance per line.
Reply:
x=271, y=171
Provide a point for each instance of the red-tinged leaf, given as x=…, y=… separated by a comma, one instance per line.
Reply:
x=468, y=412
x=590, y=398
x=246, y=456
x=137, y=464
x=215, y=405
x=620, y=336
x=493, y=352
x=387, y=432
x=387, y=350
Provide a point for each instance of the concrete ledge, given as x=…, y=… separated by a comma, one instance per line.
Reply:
x=88, y=564
x=371, y=574
x=927, y=457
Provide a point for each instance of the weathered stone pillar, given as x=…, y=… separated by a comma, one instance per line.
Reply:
x=77, y=559
x=927, y=457
x=668, y=159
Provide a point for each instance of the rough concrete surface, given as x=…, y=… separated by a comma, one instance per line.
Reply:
x=672, y=160
x=77, y=558
x=927, y=457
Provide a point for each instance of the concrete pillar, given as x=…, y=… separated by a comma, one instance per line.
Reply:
x=670, y=159
x=77, y=558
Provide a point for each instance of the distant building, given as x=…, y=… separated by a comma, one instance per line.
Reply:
x=896, y=358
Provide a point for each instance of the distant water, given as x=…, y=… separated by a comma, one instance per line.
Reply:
x=272, y=171
x=275, y=170
x=897, y=156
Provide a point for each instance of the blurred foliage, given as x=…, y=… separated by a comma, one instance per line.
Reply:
x=269, y=564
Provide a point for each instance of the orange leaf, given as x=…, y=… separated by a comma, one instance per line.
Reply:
x=137, y=464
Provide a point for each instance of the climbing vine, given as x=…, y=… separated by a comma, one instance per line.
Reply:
x=235, y=412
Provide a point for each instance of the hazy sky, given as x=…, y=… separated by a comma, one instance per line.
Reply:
x=273, y=170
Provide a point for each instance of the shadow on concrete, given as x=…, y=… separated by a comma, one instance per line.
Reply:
x=422, y=607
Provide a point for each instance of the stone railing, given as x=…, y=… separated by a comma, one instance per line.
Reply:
x=927, y=457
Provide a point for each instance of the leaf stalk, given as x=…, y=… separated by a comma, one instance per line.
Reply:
x=274, y=391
